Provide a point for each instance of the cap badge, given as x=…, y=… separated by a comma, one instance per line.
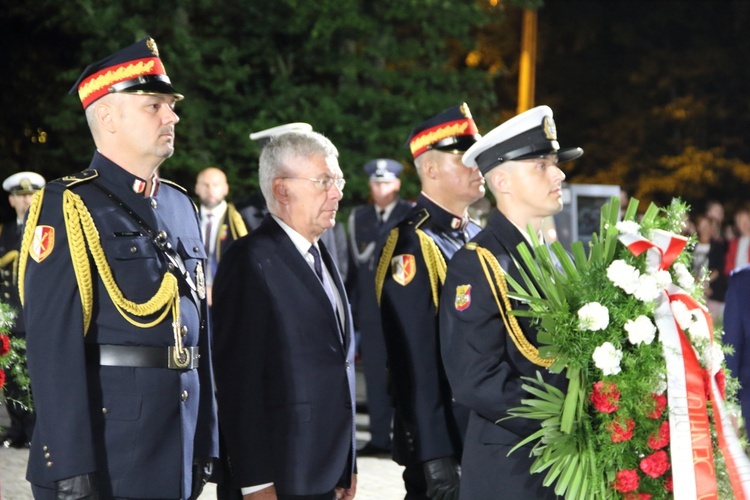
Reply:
x=403, y=269
x=25, y=183
x=465, y=110
x=151, y=45
x=463, y=297
x=200, y=281
x=381, y=168
x=550, y=131
x=42, y=243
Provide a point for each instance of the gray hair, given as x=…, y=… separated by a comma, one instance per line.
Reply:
x=277, y=157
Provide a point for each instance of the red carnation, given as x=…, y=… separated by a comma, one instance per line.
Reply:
x=660, y=402
x=620, y=433
x=5, y=344
x=668, y=485
x=2, y=378
x=655, y=464
x=660, y=438
x=605, y=396
x=626, y=480
x=637, y=496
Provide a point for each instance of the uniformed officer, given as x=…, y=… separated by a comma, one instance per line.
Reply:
x=483, y=359
x=368, y=226
x=221, y=223
x=112, y=281
x=20, y=187
x=428, y=427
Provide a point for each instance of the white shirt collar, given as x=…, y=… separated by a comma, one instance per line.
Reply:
x=217, y=211
x=302, y=244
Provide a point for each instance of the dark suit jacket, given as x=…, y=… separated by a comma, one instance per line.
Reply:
x=737, y=334
x=10, y=244
x=284, y=379
x=484, y=368
x=138, y=429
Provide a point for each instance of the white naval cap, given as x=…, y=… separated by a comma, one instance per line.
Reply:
x=263, y=136
x=531, y=134
x=24, y=183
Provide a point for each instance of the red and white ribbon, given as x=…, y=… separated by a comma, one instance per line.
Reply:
x=688, y=396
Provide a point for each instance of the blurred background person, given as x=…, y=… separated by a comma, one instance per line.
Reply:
x=368, y=225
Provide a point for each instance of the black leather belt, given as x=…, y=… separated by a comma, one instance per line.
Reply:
x=139, y=356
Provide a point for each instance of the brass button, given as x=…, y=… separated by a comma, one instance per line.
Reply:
x=7, y=295
x=46, y=455
x=195, y=249
x=49, y=464
x=184, y=395
x=154, y=203
x=133, y=249
x=104, y=410
x=45, y=448
x=184, y=330
x=6, y=283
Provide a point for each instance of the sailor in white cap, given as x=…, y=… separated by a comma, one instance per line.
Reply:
x=484, y=361
x=21, y=187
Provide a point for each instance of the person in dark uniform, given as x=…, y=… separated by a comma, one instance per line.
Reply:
x=368, y=226
x=20, y=187
x=221, y=223
x=113, y=291
x=737, y=334
x=284, y=350
x=428, y=427
x=483, y=360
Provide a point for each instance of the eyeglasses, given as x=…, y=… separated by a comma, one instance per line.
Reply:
x=325, y=183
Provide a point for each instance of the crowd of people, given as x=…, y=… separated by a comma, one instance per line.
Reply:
x=170, y=343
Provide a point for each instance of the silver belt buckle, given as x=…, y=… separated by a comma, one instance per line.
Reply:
x=190, y=363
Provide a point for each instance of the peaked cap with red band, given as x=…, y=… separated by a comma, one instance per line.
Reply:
x=453, y=130
x=136, y=69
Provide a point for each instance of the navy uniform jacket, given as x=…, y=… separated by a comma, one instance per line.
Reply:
x=427, y=424
x=737, y=334
x=138, y=429
x=284, y=374
x=10, y=244
x=485, y=367
x=366, y=235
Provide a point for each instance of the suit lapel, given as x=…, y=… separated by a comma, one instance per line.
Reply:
x=333, y=270
x=301, y=269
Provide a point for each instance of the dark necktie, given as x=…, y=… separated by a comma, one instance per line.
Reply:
x=381, y=216
x=317, y=262
x=318, y=265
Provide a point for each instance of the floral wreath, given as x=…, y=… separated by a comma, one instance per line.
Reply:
x=647, y=412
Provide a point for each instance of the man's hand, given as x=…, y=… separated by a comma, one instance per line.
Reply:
x=347, y=493
x=202, y=469
x=83, y=487
x=443, y=476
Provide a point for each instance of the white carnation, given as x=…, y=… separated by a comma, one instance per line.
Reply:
x=682, y=314
x=684, y=277
x=646, y=291
x=698, y=330
x=640, y=330
x=607, y=358
x=662, y=385
x=663, y=278
x=623, y=275
x=593, y=316
x=628, y=227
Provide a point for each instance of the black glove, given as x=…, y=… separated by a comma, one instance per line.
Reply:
x=201, y=472
x=82, y=487
x=443, y=476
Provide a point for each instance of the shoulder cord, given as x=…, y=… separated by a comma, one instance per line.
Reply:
x=435, y=262
x=236, y=223
x=497, y=281
x=385, y=262
x=82, y=230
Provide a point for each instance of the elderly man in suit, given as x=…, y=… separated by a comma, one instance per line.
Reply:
x=484, y=361
x=283, y=346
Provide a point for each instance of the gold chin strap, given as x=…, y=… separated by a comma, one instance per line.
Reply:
x=436, y=266
x=497, y=281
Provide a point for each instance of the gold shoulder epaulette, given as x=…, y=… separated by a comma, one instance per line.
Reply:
x=420, y=217
x=174, y=185
x=78, y=178
x=385, y=262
